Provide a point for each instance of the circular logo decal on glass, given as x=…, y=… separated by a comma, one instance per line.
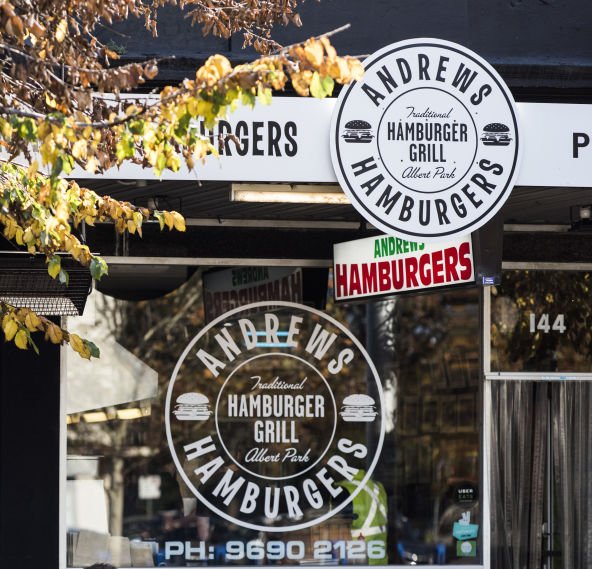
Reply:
x=427, y=143
x=273, y=410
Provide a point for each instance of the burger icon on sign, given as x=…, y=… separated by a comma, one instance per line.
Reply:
x=192, y=407
x=496, y=134
x=358, y=408
x=357, y=131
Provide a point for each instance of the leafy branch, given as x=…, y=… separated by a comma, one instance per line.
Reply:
x=53, y=112
x=40, y=216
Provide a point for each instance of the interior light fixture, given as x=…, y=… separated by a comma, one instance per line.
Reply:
x=131, y=413
x=94, y=416
x=288, y=193
x=581, y=218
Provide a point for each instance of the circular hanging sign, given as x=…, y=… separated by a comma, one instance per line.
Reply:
x=427, y=144
x=270, y=411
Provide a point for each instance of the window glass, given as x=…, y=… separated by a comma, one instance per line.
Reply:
x=281, y=435
x=540, y=321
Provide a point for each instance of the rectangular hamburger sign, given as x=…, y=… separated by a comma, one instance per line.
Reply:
x=384, y=265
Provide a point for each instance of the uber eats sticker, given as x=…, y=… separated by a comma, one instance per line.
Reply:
x=270, y=410
x=427, y=143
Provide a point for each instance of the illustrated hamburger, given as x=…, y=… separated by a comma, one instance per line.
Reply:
x=496, y=134
x=192, y=407
x=357, y=131
x=358, y=408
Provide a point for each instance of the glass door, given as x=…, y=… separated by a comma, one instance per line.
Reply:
x=541, y=474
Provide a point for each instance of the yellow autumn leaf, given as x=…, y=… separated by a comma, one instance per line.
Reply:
x=10, y=328
x=51, y=102
x=313, y=50
x=204, y=108
x=85, y=352
x=221, y=64
x=49, y=152
x=168, y=219
x=91, y=165
x=356, y=69
x=21, y=340
x=178, y=221
x=79, y=149
x=76, y=343
x=32, y=169
x=32, y=321
x=192, y=106
x=54, y=333
x=61, y=31
x=138, y=221
x=22, y=314
x=28, y=236
x=339, y=70
x=301, y=82
x=43, y=129
x=10, y=228
x=19, y=236
x=329, y=49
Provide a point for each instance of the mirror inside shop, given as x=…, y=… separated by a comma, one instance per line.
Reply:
x=277, y=434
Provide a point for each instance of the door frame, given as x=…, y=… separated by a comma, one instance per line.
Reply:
x=489, y=377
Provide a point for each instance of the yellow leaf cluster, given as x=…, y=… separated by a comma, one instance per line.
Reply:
x=215, y=67
x=43, y=213
x=79, y=346
x=319, y=55
x=19, y=324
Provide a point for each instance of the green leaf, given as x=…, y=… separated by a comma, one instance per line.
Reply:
x=57, y=168
x=64, y=277
x=55, y=266
x=181, y=128
x=98, y=268
x=59, y=117
x=248, y=98
x=136, y=126
x=28, y=130
x=94, y=351
x=160, y=164
x=31, y=340
x=321, y=88
x=328, y=84
x=160, y=216
x=264, y=95
x=67, y=163
x=125, y=148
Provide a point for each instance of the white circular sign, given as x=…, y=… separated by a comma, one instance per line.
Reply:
x=271, y=410
x=427, y=144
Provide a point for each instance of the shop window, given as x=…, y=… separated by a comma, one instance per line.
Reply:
x=541, y=321
x=393, y=473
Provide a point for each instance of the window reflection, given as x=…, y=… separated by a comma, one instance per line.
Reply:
x=128, y=505
x=540, y=321
x=431, y=464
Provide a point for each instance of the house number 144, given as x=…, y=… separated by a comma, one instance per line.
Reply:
x=543, y=323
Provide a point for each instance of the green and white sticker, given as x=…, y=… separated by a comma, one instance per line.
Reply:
x=466, y=548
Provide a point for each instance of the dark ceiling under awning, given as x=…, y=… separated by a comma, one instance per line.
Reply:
x=211, y=200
